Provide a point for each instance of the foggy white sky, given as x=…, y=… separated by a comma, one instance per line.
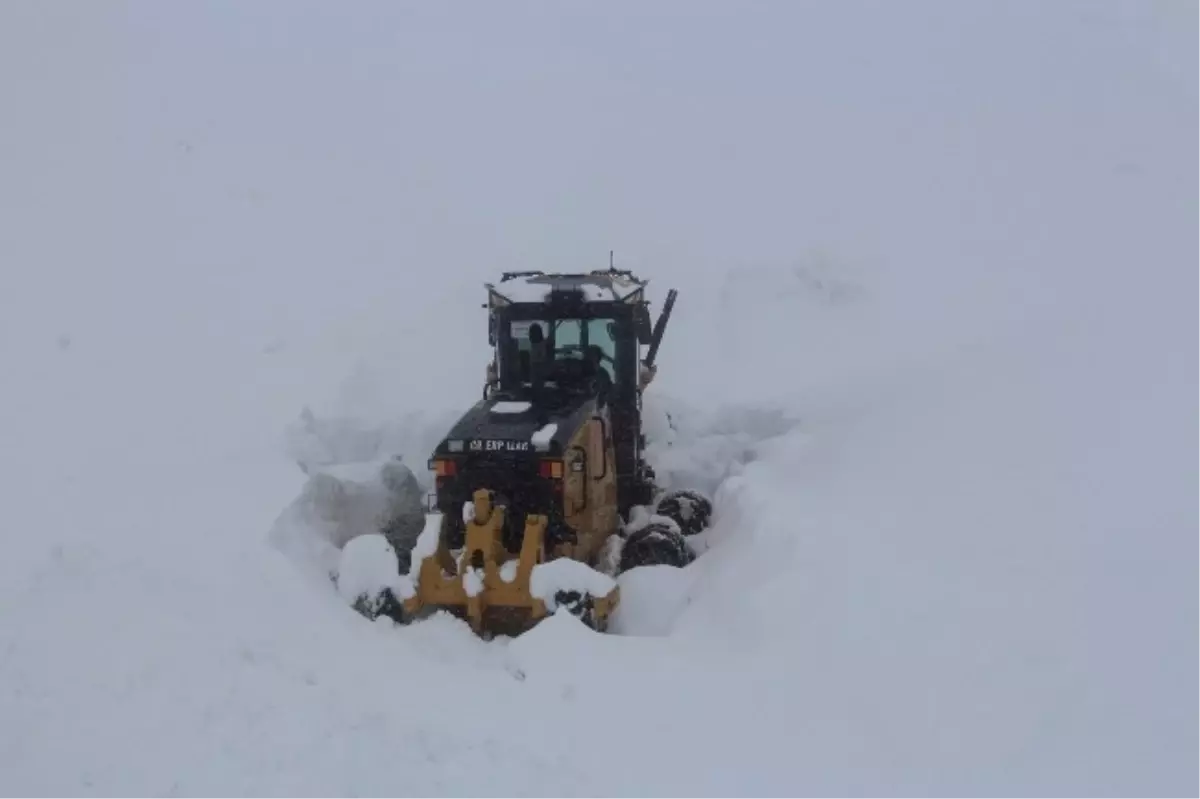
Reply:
x=231, y=148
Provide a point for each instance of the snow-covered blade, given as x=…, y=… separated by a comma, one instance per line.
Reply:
x=496, y=591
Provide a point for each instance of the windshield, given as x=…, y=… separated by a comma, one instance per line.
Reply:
x=567, y=341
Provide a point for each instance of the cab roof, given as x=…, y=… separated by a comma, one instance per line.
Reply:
x=536, y=287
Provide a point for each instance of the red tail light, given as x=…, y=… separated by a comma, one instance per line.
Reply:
x=443, y=468
x=552, y=470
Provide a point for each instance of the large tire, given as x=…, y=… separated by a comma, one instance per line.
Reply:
x=691, y=510
x=656, y=544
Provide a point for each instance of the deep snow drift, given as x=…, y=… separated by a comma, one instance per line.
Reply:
x=934, y=354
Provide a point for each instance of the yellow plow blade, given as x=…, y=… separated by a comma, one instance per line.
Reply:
x=493, y=588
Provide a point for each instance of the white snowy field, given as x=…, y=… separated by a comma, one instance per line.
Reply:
x=934, y=354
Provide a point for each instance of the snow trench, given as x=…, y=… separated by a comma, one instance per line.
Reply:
x=358, y=480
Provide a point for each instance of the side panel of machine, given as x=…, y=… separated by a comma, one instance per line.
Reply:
x=590, y=486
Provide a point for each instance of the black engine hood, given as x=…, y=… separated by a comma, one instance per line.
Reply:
x=516, y=426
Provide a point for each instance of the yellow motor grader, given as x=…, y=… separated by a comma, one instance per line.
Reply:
x=535, y=485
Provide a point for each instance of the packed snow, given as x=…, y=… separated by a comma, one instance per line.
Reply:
x=934, y=358
x=564, y=574
x=508, y=570
x=537, y=288
x=368, y=565
x=510, y=407
x=472, y=581
x=542, y=437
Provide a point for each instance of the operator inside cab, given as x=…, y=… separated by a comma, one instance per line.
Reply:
x=577, y=354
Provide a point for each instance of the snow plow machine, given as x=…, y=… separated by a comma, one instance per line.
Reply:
x=541, y=492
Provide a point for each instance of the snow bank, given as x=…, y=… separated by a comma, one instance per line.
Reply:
x=367, y=566
x=898, y=572
x=341, y=502
x=652, y=599
x=697, y=448
x=317, y=441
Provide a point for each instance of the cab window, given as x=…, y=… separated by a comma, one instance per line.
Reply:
x=600, y=333
x=566, y=339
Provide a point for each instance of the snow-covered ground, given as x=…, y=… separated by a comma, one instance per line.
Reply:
x=934, y=354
